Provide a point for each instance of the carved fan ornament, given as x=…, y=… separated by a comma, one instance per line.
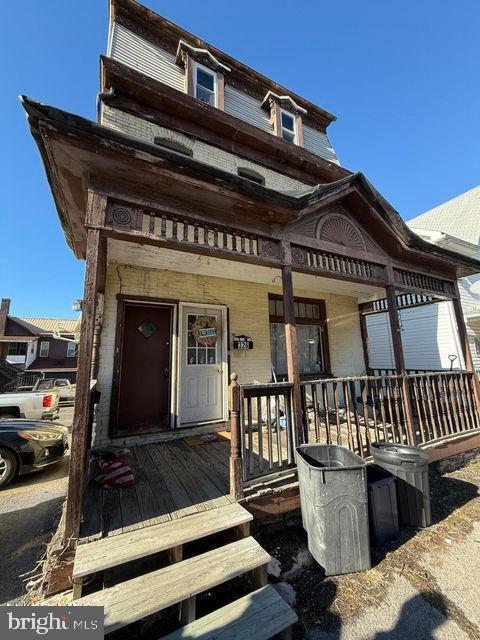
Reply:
x=338, y=230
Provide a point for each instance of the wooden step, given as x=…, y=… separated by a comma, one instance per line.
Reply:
x=140, y=597
x=101, y=555
x=260, y=615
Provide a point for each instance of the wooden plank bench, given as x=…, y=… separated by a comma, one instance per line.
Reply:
x=139, y=597
x=101, y=555
x=261, y=615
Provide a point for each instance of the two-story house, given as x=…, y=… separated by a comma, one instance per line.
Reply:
x=32, y=348
x=227, y=252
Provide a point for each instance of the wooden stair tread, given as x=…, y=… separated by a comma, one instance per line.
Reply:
x=142, y=596
x=101, y=555
x=260, y=615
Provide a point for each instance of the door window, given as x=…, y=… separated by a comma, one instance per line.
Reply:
x=198, y=353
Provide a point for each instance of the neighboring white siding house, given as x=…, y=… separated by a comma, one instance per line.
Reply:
x=140, y=54
x=429, y=333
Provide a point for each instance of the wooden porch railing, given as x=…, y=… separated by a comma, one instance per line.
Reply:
x=352, y=411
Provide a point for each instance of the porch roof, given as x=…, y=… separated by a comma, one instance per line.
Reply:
x=74, y=148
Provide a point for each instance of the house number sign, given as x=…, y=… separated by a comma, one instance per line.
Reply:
x=205, y=331
x=242, y=342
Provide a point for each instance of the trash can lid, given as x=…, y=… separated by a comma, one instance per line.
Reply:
x=390, y=453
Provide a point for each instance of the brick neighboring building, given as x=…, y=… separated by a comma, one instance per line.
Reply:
x=43, y=346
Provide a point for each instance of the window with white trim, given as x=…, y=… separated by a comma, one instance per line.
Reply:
x=71, y=349
x=44, y=349
x=287, y=126
x=205, y=85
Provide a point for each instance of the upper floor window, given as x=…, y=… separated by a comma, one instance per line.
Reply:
x=205, y=85
x=71, y=349
x=44, y=349
x=250, y=174
x=287, y=126
x=173, y=146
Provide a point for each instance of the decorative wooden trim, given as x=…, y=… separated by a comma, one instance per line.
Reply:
x=123, y=217
x=419, y=282
x=299, y=130
x=220, y=91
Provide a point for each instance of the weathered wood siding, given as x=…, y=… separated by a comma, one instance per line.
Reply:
x=246, y=108
x=140, y=54
x=318, y=143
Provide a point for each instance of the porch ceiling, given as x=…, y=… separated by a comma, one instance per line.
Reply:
x=160, y=258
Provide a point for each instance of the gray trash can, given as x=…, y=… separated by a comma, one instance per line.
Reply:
x=409, y=465
x=333, y=498
x=382, y=505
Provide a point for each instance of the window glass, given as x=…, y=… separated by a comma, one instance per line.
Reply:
x=17, y=349
x=309, y=348
x=205, y=86
x=287, y=126
x=44, y=349
x=71, y=349
x=198, y=353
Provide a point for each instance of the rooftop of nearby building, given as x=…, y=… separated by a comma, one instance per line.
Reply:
x=459, y=217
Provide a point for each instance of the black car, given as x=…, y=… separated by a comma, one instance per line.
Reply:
x=29, y=445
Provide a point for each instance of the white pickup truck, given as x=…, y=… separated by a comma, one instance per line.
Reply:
x=42, y=405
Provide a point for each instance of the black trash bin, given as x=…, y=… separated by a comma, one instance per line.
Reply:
x=382, y=505
x=333, y=498
x=409, y=465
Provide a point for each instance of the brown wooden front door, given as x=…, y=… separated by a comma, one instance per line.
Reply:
x=144, y=385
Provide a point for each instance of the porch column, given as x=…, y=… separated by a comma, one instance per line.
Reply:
x=463, y=335
x=293, y=361
x=400, y=359
x=94, y=281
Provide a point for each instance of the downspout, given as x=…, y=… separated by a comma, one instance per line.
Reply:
x=101, y=97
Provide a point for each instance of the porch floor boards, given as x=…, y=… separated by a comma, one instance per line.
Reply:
x=172, y=480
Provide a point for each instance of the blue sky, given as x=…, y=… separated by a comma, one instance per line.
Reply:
x=402, y=77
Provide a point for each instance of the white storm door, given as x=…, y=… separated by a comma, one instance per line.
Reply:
x=201, y=370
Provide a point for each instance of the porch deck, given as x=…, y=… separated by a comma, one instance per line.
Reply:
x=172, y=480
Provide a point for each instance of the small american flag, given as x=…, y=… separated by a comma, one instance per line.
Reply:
x=115, y=473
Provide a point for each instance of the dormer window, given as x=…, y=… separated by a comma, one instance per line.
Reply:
x=204, y=74
x=205, y=85
x=287, y=126
x=286, y=117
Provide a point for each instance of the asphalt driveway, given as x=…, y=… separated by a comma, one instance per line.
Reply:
x=29, y=513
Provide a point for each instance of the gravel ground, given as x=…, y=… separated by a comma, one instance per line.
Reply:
x=423, y=586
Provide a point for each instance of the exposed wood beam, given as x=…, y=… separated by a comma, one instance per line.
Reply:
x=96, y=207
x=293, y=359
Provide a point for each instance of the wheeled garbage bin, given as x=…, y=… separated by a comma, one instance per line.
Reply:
x=333, y=498
x=409, y=465
x=382, y=505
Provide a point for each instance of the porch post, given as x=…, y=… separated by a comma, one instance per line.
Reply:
x=364, y=334
x=463, y=335
x=236, y=467
x=400, y=360
x=293, y=361
x=94, y=278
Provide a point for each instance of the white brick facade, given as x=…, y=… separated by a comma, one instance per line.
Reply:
x=147, y=131
x=247, y=304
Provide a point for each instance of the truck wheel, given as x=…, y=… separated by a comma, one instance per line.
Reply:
x=8, y=466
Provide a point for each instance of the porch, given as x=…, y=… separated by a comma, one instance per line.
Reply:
x=172, y=480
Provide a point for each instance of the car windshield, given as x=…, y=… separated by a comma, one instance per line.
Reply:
x=43, y=385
